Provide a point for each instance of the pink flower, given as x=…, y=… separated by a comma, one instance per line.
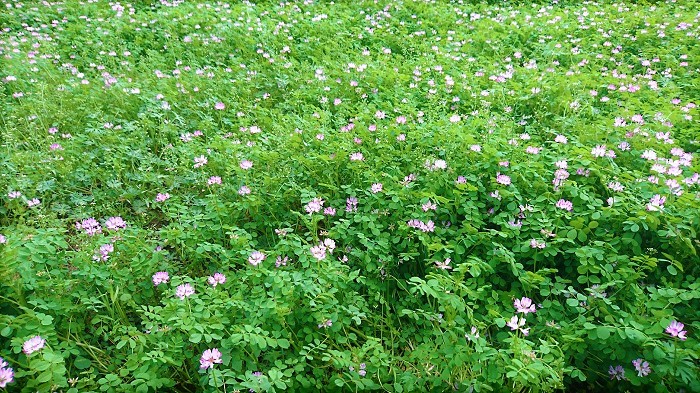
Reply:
x=329, y=244
x=219, y=106
x=209, y=358
x=319, y=252
x=245, y=164
x=214, y=180
x=516, y=323
x=160, y=278
x=7, y=375
x=14, y=194
x=642, y=367
x=162, y=197
x=115, y=223
x=656, y=203
x=33, y=202
x=256, y=258
x=565, y=205
x=675, y=329
x=524, y=305
x=377, y=187
x=502, y=179
x=329, y=211
x=3, y=239
x=32, y=345
x=561, y=139
x=200, y=161
x=599, y=151
x=90, y=226
x=216, y=279
x=401, y=120
x=356, y=157
x=183, y=291
x=455, y=118
x=244, y=190
x=443, y=265
x=314, y=206
x=429, y=206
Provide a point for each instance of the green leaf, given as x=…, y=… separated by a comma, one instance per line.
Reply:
x=283, y=343
x=82, y=363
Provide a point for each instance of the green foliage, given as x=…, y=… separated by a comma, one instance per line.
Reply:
x=349, y=196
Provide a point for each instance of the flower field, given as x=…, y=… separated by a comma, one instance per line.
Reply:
x=400, y=196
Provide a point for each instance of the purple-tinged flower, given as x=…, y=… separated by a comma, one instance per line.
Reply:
x=565, y=205
x=33, y=202
x=461, y=180
x=314, y=206
x=616, y=186
x=444, y=265
x=32, y=345
x=534, y=243
x=90, y=226
x=214, y=180
x=618, y=372
x=216, y=279
x=319, y=252
x=524, y=305
x=362, y=373
x=429, y=206
x=200, y=161
x=281, y=261
x=219, y=106
x=115, y=223
x=183, y=291
x=649, y=155
x=376, y=188
x=7, y=375
x=357, y=157
x=3, y=239
x=162, y=197
x=325, y=324
x=517, y=323
x=656, y=203
x=105, y=250
x=351, y=204
x=55, y=146
x=329, y=211
x=246, y=164
x=256, y=258
x=209, y=358
x=561, y=139
x=160, y=278
x=675, y=329
x=502, y=179
x=642, y=367
x=599, y=151
x=244, y=190
x=14, y=194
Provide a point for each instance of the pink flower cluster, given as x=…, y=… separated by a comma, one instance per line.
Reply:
x=423, y=226
x=7, y=374
x=32, y=345
x=209, y=358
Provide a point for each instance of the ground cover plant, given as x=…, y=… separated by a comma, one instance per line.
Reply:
x=364, y=195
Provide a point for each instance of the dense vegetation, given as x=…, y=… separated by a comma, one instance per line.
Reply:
x=367, y=195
